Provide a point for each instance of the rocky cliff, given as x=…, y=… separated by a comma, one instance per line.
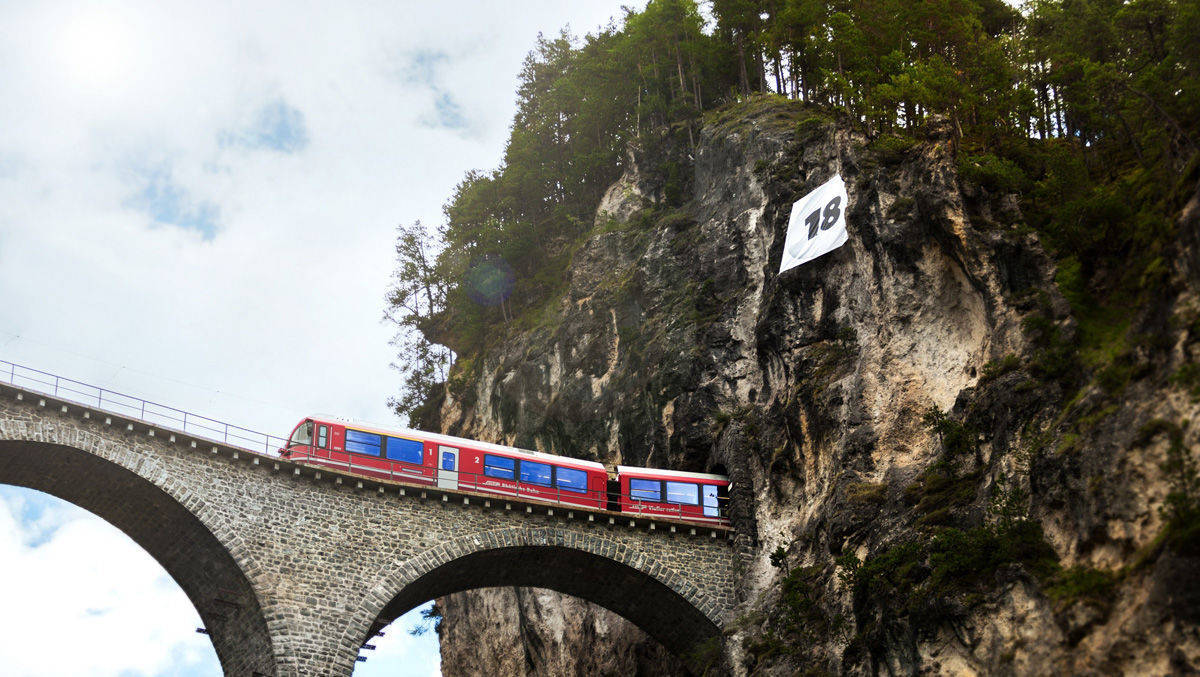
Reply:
x=930, y=473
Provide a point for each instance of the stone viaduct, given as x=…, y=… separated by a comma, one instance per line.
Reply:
x=293, y=569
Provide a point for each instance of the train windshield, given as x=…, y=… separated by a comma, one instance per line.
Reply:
x=303, y=434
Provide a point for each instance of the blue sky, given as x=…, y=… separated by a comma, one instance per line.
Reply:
x=198, y=203
x=277, y=126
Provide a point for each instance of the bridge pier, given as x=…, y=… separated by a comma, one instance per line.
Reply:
x=306, y=645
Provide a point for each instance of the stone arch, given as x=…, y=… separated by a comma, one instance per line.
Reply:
x=648, y=592
x=192, y=541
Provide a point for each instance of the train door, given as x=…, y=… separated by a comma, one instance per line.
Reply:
x=709, y=493
x=323, y=440
x=447, y=477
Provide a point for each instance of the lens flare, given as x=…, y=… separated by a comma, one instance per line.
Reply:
x=490, y=281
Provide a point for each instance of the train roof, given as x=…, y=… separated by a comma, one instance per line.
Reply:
x=635, y=470
x=458, y=441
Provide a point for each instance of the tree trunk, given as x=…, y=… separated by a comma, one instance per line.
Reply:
x=760, y=67
x=743, y=76
x=679, y=72
x=696, y=98
x=796, y=94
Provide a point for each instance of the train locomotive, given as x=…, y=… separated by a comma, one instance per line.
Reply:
x=445, y=462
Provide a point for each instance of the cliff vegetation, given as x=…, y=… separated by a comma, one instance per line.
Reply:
x=961, y=443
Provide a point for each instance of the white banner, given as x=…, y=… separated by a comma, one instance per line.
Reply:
x=817, y=225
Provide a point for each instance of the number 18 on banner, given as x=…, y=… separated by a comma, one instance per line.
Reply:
x=817, y=225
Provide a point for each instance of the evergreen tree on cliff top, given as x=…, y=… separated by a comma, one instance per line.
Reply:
x=1086, y=108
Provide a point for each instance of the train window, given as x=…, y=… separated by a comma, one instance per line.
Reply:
x=645, y=490
x=362, y=443
x=684, y=493
x=535, y=473
x=303, y=434
x=323, y=436
x=405, y=451
x=500, y=467
x=570, y=479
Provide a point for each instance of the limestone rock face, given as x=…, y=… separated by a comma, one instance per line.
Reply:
x=523, y=631
x=676, y=343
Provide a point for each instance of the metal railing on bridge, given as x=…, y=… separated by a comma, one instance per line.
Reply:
x=135, y=407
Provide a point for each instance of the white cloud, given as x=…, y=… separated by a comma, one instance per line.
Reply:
x=400, y=654
x=155, y=240
x=104, y=607
x=110, y=192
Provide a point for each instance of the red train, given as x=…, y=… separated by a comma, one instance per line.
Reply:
x=445, y=462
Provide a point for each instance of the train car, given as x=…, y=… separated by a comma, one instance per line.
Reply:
x=455, y=463
x=689, y=496
x=357, y=448
x=533, y=475
x=446, y=462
